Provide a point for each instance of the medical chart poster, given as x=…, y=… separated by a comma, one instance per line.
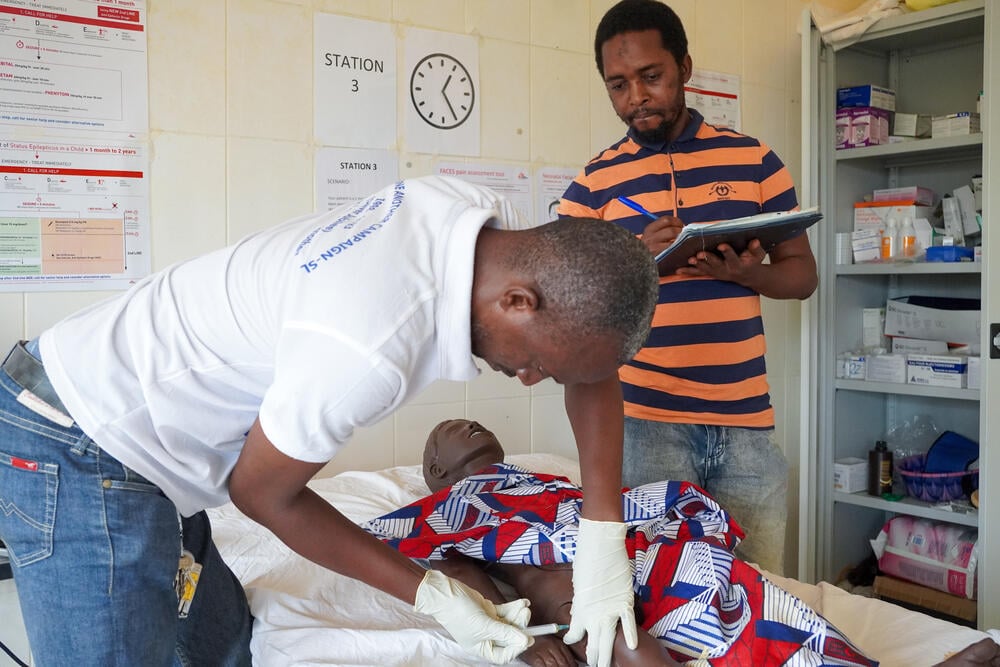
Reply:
x=508, y=181
x=74, y=214
x=550, y=184
x=717, y=96
x=354, y=72
x=74, y=65
x=442, y=93
x=346, y=175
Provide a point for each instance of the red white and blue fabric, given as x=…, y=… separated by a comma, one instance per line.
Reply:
x=694, y=596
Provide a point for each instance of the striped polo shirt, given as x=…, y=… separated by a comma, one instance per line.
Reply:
x=703, y=362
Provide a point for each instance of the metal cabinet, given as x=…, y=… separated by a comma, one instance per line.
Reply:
x=937, y=61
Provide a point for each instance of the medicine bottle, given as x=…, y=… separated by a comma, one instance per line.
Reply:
x=879, y=469
x=908, y=238
x=890, y=239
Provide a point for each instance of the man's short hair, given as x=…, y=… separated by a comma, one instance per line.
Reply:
x=594, y=278
x=639, y=15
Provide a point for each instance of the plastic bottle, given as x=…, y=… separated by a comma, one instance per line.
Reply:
x=908, y=238
x=879, y=469
x=890, y=239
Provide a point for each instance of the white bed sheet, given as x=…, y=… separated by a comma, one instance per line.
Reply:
x=306, y=615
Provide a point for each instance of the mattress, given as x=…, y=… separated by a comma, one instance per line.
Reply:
x=307, y=615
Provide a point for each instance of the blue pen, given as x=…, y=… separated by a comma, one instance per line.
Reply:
x=635, y=207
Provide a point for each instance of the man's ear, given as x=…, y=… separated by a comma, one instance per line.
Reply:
x=687, y=68
x=517, y=298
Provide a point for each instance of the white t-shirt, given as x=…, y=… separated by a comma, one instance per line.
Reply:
x=319, y=325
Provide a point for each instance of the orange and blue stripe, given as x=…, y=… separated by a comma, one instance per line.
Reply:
x=704, y=360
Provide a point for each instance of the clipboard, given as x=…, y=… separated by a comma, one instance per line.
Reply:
x=770, y=228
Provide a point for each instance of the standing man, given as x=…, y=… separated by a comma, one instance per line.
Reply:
x=239, y=374
x=696, y=397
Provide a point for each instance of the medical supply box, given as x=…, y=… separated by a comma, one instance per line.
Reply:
x=952, y=320
x=875, y=214
x=886, y=368
x=911, y=125
x=850, y=475
x=867, y=96
x=937, y=370
x=955, y=124
x=861, y=126
x=911, y=193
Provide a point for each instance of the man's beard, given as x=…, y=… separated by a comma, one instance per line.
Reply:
x=656, y=135
x=667, y=128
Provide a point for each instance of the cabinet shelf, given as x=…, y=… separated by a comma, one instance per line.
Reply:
x=902, y=389
x=915, y=268
x=908, y=506
x=927, y=28
x=945, y=148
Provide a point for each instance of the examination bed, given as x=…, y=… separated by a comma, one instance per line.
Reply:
x=305, y=615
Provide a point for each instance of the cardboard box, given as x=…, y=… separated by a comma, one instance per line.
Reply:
x=951, y=320
x=869, y=95
x=955, y=124
x=913, y=194
x=886, y=368
x=967, y=206
x=897, y=590
x=872, y=328
x=866, y=244
x=851, y=366
x=850, y=475
x=901, y=345
x=936, y=370
x=875, y=214
x=842, y=130
x=864, y=126
x=974, y=374
x=911, y=124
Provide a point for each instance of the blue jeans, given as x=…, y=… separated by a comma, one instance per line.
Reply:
x=94, y=549
x=743, y=469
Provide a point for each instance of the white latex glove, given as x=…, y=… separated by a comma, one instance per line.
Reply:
x=490, y=631
x=602, y=591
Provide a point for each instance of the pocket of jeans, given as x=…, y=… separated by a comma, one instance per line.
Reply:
x=122, y=478
x=28, y=491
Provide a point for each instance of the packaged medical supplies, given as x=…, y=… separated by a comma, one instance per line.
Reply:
x=934, y=554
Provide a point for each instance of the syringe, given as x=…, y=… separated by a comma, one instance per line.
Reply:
x=547, y=629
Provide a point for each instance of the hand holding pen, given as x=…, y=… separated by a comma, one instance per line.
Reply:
x=661, y=232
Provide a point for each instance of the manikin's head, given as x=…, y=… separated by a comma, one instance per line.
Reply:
x=457, y=448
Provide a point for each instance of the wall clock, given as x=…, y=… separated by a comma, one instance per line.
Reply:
x=442, y=91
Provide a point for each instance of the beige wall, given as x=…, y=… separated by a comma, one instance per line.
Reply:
x=231, y=121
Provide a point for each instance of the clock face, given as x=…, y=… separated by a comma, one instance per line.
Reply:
x=442, y=91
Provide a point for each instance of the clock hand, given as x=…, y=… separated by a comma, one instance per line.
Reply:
x=446, y=100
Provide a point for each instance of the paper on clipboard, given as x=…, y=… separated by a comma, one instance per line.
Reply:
x=770, y=228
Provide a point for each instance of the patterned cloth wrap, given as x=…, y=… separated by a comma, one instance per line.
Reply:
x=704, y=605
